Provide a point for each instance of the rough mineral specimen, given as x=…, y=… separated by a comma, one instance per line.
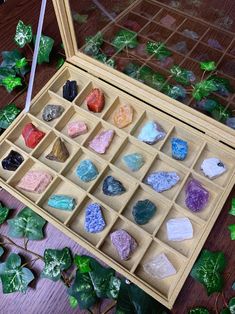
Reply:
x=214, y=44
x=112, y=186
x=190, y=34
x=70, y=90
x=59, y=151
x=87, y=171
x=166, y=62
x=159, y=267
x=51, y=112
x=94, y=220
x=231, y=122
x=196, y=196
x=151, y=133
x=179, y=229
x=162, y=180
x=181, y=47
x=168, y=21
x=12, y=161
x=143, y=211
x=133, y=161
x=35, y=181
x=124, y=243
x=179, y=148
x=123, y=116
x=63, y=202
x=102, y=141
x=76, y=128
x=95, y=101
x=32, y=136
x=213, y=167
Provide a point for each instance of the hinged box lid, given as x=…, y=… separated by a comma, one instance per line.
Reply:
x=190, y=31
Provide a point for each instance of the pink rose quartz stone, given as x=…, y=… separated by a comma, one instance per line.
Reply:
x=35, y=181
x=102, y=141
x=168, y=21
x=76, y=128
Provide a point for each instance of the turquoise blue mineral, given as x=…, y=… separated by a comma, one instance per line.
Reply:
x=112, y=186
x=143, y=211
x=94, y=221
x=179, y=148
x=87, y=171
x=151, y=133
x=133, y=161
x=63, y=202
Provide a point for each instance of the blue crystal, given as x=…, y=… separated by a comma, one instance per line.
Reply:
x=151, y=133
x=133, y=161
x=87, y=171
x=162, y=180
x=112, y=186
x=143, y=211
x=61, y=201
x=231, y=122
x=179, y=148
x=94, y=221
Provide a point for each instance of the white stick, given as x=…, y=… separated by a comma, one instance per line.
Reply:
x=35, y=56
x=102, y=8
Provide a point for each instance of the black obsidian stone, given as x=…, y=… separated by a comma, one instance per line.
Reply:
x=70, y=90
x=12, y=161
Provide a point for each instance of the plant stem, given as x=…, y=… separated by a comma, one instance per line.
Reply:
x=18, y=95
x=31, y=50
x=110, y=308
x=224, y=299
x=61, y=53
x=216, y=303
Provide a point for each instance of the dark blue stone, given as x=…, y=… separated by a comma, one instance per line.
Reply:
x=112, y=186
x=143, y=211
x=179, y=148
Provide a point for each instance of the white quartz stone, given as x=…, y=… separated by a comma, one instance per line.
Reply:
x=213, y=167
x=159, y=267
x=179, y=229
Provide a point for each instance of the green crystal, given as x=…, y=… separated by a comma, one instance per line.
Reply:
x=133, y=161
x=143, y=211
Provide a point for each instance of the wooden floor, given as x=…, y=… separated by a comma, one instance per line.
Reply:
x=50, y=297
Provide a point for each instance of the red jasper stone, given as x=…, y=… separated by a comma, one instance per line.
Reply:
x=95, y=100
x=32, y=136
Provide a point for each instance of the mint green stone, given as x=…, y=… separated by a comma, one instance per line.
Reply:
x=133, y=161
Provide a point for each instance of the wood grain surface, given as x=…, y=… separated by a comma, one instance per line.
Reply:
x=48, y=297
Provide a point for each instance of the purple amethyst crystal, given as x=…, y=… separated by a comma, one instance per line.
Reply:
x=124, y=243
x=196, y=196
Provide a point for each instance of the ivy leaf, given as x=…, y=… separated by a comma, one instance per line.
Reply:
x=26, y=224
x=59, y=63
x=73, y=302
x=232, y=231
x=5, y=72
x=21, y=63
x=203, y=89
x=79, y=18
x=182, y=75
x=225, y=311
x=10, y=58
x=24, y=34
x=158, y=49
x=4, y=211
x=55, y=262
x=102, y=57
x=11, y=82
x=207, y=270
x=8, y=115
x=125, y=39
x=174, y=91
x=208, y=65
x=93, y=44
x=223, y=85
x=232, y=210
x=231, y=305
x=1, y=250
x=132, y=70
x=220, y=113
x=199, y=310
x=151, y=78
x=82, y=263
x=45, y=48
x=14, y=277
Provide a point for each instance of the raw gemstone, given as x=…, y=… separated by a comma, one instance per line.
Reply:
x=143, y=211
x=95, y=101
x=87, y=171
x=133, y=161
x=59, y=151
x=166, y=62
x=190, y=34
x=207, y=105
x=181, y=47
x=51, y=112
x=179, y=229
x=124, y=243
x=159, y=267
x=102, y=141
x=132, y=25
x=63, y=202
x=123, y=116
x=151, y=133
x=35, y=181
x=70, y=90
x=196, y=196
x=8, y=115
x=94, y=220
x=168, y=21
x=229, y=68
x=32, y=136
x=179, y=148
x=213, y=167
x=231, y=122
x=12, y=161
x=112, y=186
x=214, y=44
x=76, y=128
x=162, y=180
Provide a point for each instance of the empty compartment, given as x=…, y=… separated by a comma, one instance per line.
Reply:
x=141, y=238
x=169, y=19
x=180, y=44
x=155, y=32
x=227, y=66
x=205, y=53
x=190, y=26
x=146, y=9
x=162, y=209
x=70, y=170
x=211, y=151
x=217, y=39
x=193, y=141
x=187, y=246
x=133, y=21
x=77, y=222
x=231, y=50
x=116, y=202
x=166, y=285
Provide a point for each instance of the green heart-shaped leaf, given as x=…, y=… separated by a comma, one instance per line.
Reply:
x=82, y=263
x=174, y=91
x=4, y=211
x=93, y=44
x=231, y=305
x=73, y=302
x=208, y=65
x=102, y=57
x=45, y=48
x=11, y=82
x=79, y=18
x=182, y=75
x=232, y=210
x=59, y=63
x=5, y=72
x=10, y=58
x=203, y=89
x=225, y=311
x=207, y=270
x=14, y=62
x=125, y=39
x=232, y=231
x=158, y=49
x=14, y=277
x=26, y=224
x=24, y=34
x=199, y=310
x=8, y=115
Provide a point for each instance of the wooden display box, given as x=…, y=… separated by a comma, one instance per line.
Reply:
x=151, y=237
